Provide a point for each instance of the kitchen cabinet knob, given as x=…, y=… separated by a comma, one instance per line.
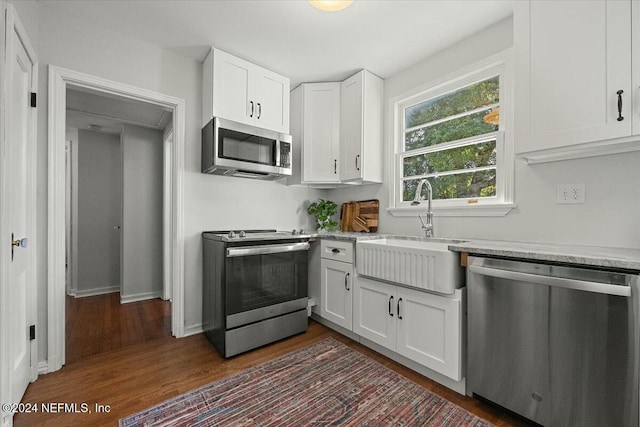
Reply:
x=620, y=118
x=398, y=307
x=335, y=250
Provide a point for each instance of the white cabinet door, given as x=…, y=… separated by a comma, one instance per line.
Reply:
x=337, y=292
x=351, y=97
x=272, y=101
x=361, y=127
x=233, y=88
x=374, y=311
x=321, y=133
x=429, y=330
x=635, y=68
x=574, y=58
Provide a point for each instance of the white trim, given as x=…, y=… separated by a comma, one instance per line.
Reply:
x=590, y=149
x=489, y=209
x=167, y=204
x=193, y=330
x=43, y=368
x=498, y=64
x=59, y=78
x=93, y=292
x=140, y=297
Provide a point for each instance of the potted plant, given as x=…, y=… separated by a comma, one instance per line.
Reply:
x=323, y=210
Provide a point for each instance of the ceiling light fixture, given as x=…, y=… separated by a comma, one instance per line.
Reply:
x=330, y=5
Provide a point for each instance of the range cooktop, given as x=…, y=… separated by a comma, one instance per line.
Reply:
x=252, y=235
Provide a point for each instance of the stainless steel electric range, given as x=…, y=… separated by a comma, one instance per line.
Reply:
x=254, y=287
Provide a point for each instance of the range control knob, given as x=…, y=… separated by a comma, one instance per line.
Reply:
x=243, y=234
x=294, y=232
x=232, y=234
x=301, y=231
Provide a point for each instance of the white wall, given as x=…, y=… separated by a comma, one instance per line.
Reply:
x=99, y=209
x=609, y=216
x=142, y=172
x=211, y=202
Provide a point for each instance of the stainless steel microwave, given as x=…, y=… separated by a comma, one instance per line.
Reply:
x=236, y=149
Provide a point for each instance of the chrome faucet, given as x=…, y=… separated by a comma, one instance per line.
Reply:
x=428, y=225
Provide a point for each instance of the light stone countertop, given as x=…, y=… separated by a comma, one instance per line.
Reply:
x=617, y=258
x=622, y=258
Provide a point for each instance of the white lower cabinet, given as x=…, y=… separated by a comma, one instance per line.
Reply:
x=337, y=292
x=421, y=326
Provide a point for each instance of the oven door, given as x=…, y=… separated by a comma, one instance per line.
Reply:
x=264, y=281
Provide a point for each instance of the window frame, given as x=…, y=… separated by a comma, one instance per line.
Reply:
x=498, y=205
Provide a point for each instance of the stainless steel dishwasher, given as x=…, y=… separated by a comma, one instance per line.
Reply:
x=558, y=345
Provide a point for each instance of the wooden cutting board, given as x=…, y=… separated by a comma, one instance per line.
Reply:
x=360, y=216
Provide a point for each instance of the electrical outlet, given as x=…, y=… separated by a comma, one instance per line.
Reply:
x=570, y=194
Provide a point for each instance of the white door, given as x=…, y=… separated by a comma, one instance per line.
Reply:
x=374, y=311
x=429, y=330
x=321, y=132
x=272, y=101
x=233, y=88
x=351, y=92
x=577, y=67
x=337, y=293
x=19, y=199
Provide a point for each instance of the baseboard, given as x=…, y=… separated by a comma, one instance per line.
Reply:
x=43, y=368
x=93, y=292
x=193, y=330
x=140, y=297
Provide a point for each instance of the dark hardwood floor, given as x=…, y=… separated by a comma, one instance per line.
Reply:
x=125, y=360
x=100, y=323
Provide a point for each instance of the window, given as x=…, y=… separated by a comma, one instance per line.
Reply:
x=456, y=134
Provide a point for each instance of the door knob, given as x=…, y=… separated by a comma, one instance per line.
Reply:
x=23, y=243
x=20, y=243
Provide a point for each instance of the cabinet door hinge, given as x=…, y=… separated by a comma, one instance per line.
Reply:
x=32, y=332
x=34, y=97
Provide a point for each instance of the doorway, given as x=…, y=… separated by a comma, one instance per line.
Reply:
x=60, y=80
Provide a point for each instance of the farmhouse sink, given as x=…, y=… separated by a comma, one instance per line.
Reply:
x=425, y=263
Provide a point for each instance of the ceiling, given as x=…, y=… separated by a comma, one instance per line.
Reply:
x=291, y=37
x=87, y=109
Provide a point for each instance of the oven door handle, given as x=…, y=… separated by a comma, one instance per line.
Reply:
x=266, y=249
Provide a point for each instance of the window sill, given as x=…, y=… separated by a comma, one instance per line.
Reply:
x=495, y=209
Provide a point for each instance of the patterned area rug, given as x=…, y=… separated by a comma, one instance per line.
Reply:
x=325, y=384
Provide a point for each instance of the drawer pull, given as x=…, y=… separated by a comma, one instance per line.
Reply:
x=335, y=250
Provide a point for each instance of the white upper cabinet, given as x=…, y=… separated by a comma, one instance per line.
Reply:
x=337, y=132
x=315, y=129
x=361, y=127
x=574, y=77
x=238, y=90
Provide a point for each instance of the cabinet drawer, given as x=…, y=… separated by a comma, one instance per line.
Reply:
x=337, y=250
